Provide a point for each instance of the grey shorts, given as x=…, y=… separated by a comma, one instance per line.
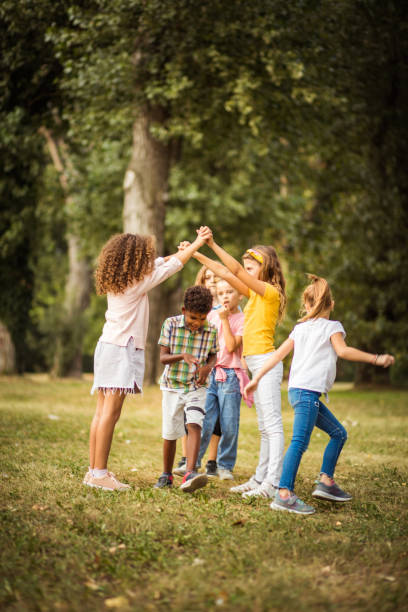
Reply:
x=118, y=368
x=181, y=408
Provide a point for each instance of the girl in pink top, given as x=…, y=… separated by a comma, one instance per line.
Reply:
x=127, y=269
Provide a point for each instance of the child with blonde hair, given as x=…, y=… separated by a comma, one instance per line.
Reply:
x=317, y=342
x=127, y=270
x=260, y=279
x=227, y=381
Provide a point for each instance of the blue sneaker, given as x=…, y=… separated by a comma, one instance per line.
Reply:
x=193, y=481
x=331, y=493
x=291, y=504
x=165, y=480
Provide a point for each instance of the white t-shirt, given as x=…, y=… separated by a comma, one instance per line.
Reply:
x=314, y=358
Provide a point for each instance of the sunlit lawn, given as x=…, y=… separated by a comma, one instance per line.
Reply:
x=67, y=547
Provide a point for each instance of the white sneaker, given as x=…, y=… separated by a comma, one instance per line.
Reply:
x=265, y=490
x=246, y=486
x=224, y=474
x=109, y=482
x=87, y=477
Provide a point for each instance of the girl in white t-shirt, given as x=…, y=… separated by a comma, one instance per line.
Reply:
x=127, y=270
x=317, y=342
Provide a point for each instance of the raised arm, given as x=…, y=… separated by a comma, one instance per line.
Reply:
x=222, y=271
x=352, y=354
x=232, y=264
x=185, y=254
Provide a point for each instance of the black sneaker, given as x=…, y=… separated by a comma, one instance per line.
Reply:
x=181, y=467
x=211, y=468
x=193, y=481
x=332, y=493
x=165, y=480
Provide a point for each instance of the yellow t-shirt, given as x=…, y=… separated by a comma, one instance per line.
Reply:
x=261, y=314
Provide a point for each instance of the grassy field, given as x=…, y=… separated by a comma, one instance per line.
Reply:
x=67, y=547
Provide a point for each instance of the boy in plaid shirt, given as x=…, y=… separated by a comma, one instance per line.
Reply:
x=188, y=348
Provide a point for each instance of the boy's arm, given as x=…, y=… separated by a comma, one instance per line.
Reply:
x=205, y=370
x=280, y=354
x=352, y=354
x=168, y=358
x=232, y=264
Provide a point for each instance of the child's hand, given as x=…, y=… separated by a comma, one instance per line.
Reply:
x=190, y=359
x=183, y=245
x=251, y=386
x=223, y=312
x=385, y=360
x=206, y=234
x=203, y=373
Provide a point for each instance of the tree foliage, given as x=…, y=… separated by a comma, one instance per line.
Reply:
x=285, y=122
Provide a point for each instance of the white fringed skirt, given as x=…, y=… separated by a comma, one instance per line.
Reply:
x=118, y=368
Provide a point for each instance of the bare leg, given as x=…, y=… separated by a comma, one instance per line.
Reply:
x=110, y=414
x=169, y=451
x=193, y=445
x=184, y=445
x=213, y=448
x=94, y=427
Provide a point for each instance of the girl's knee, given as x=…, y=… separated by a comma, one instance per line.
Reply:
x=300, y=443
x=339, y=434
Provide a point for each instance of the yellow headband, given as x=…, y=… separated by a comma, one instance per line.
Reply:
x=255, y=255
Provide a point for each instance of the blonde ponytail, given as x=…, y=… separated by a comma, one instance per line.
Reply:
x=317, y=296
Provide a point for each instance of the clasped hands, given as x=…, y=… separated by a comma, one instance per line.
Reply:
x=204, y=233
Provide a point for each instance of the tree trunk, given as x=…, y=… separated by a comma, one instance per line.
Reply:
x=7, y=352
x=68, y=348
x=145, y=186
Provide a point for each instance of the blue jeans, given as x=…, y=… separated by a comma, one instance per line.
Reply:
x=223, y=401
x=309, y=411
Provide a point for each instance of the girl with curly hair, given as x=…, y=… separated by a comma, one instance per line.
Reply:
x=127, y=269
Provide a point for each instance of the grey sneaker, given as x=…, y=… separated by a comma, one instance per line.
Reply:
x=165, y=480
x=180, y=470
x=291, y=504
x=193, y=481
x=332, y=493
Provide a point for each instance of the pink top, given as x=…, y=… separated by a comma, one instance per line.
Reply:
x=128, y=312
x=226, y=359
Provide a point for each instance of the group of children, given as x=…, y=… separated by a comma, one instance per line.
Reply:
x=207, y=352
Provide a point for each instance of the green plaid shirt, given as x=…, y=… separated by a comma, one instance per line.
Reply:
x=180, y=339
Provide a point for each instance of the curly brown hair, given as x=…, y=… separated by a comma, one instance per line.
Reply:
x=271, y=272
x=124, y=259
x=198, y=299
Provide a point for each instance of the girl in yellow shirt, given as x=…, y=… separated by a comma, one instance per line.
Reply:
x=260, y=279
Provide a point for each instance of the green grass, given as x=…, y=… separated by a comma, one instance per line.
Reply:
x=67, y=547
